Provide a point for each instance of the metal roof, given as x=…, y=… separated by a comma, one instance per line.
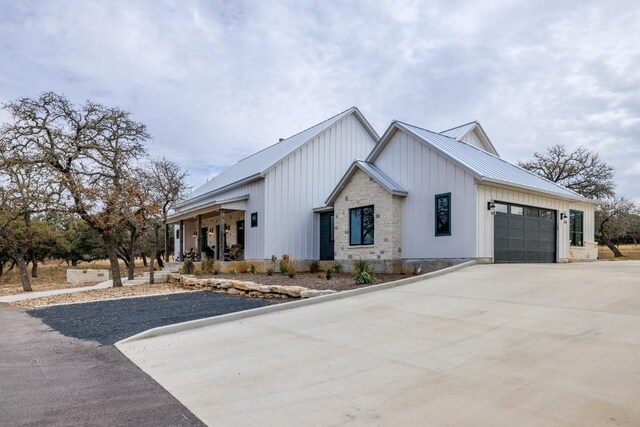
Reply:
x=254, y=166
x=381, y=178
x=487, y=166
x=370, y=169
x=459, y=131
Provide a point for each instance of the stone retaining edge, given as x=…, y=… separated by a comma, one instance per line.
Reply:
x=208, y=321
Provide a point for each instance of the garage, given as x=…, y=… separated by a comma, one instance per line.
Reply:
x=524, y=234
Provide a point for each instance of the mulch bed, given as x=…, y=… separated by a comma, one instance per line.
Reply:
x=339, y=282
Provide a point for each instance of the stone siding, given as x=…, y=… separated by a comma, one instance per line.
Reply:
x=588, y=252
x=361, y=190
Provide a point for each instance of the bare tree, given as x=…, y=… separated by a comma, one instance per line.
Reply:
x=90, y=150
x=614, y=219
x=165, y=183
x=581, y=170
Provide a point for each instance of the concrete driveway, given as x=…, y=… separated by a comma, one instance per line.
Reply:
x=487, y=345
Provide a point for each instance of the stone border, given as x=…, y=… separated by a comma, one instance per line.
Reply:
x=200, y=323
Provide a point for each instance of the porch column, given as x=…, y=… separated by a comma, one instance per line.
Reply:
x=199, y=238
x=222, y=237
x=181, y=235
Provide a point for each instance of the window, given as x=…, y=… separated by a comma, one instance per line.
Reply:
x=532, y=211
x=443, y=214
x=254, y=219
x=546, y=214
x=502, y=208
x=517, y=210
x=177, y=233
x=331, y=228
x=576, y=223
x=361, y=225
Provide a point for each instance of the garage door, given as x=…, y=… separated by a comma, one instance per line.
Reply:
x=524, y=234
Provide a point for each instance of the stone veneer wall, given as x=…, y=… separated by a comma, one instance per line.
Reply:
x=361, y=190
x=588, y=252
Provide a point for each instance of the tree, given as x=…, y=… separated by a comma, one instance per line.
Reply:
x=581, y=170
x=614, y=220
x=90, y=151
x=165, y=184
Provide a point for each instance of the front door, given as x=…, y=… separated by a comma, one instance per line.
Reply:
x=326, y=236
x=240, y=232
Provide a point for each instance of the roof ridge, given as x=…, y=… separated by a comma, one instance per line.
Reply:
x=296, y=134
x=494, y=156
x=456, y=127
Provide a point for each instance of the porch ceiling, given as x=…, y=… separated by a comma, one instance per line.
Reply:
x=211, y=210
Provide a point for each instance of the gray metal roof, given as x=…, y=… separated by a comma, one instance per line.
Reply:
x=254, y=166
x=459, y=131
x=381, y=178
x=487, y=166
x=370, y=169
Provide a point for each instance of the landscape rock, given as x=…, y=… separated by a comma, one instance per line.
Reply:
x=310, y=293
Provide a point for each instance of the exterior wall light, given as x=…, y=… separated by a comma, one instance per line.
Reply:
x=563, y=217
x=491, y=206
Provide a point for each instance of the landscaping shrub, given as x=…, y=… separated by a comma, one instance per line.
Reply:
x=337, y=267
x=314, y=267
x=270, y=271
x=363, y=274
x=329, y=274
x=232, y=271
x=253, y=269
x=188, y=267
x=207, y=266
x=284, y=264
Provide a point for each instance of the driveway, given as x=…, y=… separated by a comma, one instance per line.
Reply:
x=47, y=379
x=487, y=345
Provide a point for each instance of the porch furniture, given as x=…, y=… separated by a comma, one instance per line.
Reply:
x=234, y=253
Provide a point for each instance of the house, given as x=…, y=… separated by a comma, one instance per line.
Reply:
x=264, y=203
x=421, y=196
x=416, y=197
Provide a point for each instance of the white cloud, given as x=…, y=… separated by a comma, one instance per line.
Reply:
x=215, y=81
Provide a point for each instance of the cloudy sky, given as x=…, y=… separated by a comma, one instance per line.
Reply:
x=217, y=80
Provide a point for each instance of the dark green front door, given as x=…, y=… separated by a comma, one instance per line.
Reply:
x=326, y=235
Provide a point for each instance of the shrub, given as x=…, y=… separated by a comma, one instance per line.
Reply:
x=253, y=269
x=329, y=274
x=270, y=271
x=337, y=267
x=208, y=266
x=285, y=264
x=188, y=267
x=314, y=267
x=232, y=271
x=363, y=274
x=292, y=274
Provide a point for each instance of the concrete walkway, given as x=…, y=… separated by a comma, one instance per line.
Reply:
x=160, y=275
x=492, y=345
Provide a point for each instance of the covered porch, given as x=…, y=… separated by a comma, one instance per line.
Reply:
x=215, y=232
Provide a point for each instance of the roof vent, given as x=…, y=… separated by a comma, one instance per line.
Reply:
x=281, y=139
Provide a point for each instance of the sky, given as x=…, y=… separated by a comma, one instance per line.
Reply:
x=215, y=81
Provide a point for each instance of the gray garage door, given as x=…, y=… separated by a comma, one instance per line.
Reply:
x=524, y=234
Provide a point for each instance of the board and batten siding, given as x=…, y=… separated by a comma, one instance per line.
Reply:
x=254, y=237
x=487, y=193
x=425, y=172
x=472, y=139
x=302, y=180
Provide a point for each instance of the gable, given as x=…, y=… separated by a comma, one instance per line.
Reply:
x=256, y=165
x=473, y=134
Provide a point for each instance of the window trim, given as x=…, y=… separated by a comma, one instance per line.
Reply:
x=572, y=232
x=362, y=208
x=435, y=223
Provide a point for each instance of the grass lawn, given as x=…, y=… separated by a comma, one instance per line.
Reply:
x=631, y=252
x=53, y=275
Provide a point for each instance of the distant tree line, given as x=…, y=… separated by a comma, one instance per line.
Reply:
x=77, y=184
x=617, y=219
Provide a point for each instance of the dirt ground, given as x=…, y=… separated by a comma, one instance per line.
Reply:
x=101, y=294
x=630, y=252
x=339, y=282
x=53, y=275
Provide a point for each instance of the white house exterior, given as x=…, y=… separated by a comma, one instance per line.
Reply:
x=494, y=211
x=265, y=202
x=418, y=197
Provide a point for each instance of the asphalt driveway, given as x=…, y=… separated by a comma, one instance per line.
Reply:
x=47, y=379
x=487, y=345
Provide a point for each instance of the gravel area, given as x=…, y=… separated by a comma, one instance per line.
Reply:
x=110, y=321
x=101, y=294
x=339, y=282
